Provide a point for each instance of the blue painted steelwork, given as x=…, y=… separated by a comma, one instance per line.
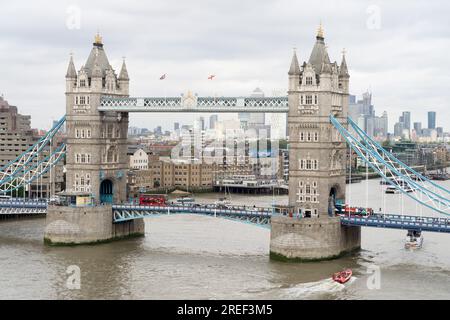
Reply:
x=28, y=174
x=394, y=172
x=14, y=167
x=261, y=217
x=130, y=212
x=408, y=171
x=19, y=206
x=392, y=221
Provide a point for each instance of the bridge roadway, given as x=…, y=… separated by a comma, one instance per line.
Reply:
x=260, y=216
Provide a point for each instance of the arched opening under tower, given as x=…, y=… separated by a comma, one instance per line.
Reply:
x=106, y=191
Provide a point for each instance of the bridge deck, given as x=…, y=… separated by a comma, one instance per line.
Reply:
x=392, y=221
x=262, y=216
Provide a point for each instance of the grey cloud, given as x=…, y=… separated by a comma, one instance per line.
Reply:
x=246, y=43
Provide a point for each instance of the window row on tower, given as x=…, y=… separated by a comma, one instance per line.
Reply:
x=309, y=136
x=82, y=133
x=308, y=164
x=81, y=100
x=308, y=99
x=110, y=131
x=82, y=158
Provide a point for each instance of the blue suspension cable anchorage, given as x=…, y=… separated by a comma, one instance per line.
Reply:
x=396, y=173
x=17, y=165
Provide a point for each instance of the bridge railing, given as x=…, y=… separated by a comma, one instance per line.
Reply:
x=196, y=209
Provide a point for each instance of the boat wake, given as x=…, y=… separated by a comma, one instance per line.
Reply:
x=318, y=288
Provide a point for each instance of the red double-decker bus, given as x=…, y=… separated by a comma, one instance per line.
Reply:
x=155, y=200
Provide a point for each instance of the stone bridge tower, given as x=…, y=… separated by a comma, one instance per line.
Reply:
x=96, y=157
x=96, y=141
x=317, y=160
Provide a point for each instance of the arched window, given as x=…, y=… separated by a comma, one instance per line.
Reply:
x=110, y=155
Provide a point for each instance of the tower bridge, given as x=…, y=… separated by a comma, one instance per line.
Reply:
x=97, y=108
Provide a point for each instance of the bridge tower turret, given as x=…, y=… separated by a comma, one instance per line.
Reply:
x=317, y=160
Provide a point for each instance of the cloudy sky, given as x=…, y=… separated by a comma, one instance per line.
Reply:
x=397, y=49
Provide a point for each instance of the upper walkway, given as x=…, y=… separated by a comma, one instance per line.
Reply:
x=193, y=103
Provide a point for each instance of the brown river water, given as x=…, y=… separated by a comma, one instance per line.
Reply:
x=197, y=257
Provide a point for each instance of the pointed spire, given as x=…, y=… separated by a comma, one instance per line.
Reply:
x=295, y=68
x=343, y=70
x=124, y=72
x=71, y=71
x=320, y=32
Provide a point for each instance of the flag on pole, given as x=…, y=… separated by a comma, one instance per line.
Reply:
x=162, y=77
x=211, y=76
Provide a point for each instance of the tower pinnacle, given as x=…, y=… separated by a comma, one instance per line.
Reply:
x=294, y=68
x=71, y=71
x=343, y=70
x=320, y=32
x=124, y=72
x=98, y=40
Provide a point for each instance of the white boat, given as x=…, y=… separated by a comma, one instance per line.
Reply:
x=392, y=190
x=414, y=240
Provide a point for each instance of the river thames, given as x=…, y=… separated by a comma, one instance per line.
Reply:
x=198, y=257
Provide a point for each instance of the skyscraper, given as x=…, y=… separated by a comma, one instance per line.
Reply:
x=406, y=115
x=213, y=119
x=199, y=123
x=363, y=113
x=418, y=127
x=431, y=120
x=253, y=119
x=398, y=129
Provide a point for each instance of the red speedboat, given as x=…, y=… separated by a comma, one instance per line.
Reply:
x=343, y=276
